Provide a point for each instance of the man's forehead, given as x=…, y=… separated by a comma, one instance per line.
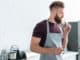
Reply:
x=60, y=9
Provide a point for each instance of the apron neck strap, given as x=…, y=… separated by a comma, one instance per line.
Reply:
x=48, y=27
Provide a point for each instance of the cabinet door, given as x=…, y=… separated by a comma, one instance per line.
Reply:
x=73, y=37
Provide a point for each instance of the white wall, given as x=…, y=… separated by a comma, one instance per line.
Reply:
x=18, y=17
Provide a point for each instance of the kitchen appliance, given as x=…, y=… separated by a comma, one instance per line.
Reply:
x=16, y=54
x=23, y=55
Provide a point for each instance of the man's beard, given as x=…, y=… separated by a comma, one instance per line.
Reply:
x=58, y=19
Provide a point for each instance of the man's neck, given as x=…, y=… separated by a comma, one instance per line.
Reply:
x=52, y=20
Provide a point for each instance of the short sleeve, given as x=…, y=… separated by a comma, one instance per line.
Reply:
x=37, y=31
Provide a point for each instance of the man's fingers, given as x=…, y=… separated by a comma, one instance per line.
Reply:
x=59, y=50
x=67, y=28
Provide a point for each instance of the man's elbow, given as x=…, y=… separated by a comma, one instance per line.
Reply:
x=32, y=48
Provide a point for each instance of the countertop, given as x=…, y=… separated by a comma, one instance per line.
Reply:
x=66, y=54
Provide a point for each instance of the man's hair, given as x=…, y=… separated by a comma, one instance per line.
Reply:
x=56, y=4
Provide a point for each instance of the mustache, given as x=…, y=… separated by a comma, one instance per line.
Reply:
x=58, y=19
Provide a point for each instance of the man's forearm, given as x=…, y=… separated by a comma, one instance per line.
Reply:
x=65, y=41
x=42, y=50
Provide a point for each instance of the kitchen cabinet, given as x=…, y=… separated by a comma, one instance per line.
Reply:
x=66, y=56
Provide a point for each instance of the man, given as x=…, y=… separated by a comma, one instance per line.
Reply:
x=50, y=37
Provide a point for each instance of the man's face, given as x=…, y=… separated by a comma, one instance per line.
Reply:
x=59, y=14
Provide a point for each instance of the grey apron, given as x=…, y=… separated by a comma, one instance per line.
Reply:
x=53, y=40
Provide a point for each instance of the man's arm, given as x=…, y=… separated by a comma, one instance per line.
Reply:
x=66, y=29
x=65, y=41
x=35, y=47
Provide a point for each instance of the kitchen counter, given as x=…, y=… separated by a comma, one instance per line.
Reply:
x=69, y=55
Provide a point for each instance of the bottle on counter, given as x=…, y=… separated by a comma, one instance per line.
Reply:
x=4, y=55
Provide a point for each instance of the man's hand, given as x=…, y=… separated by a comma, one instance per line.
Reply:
x=57, y=51
x=67, y=28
